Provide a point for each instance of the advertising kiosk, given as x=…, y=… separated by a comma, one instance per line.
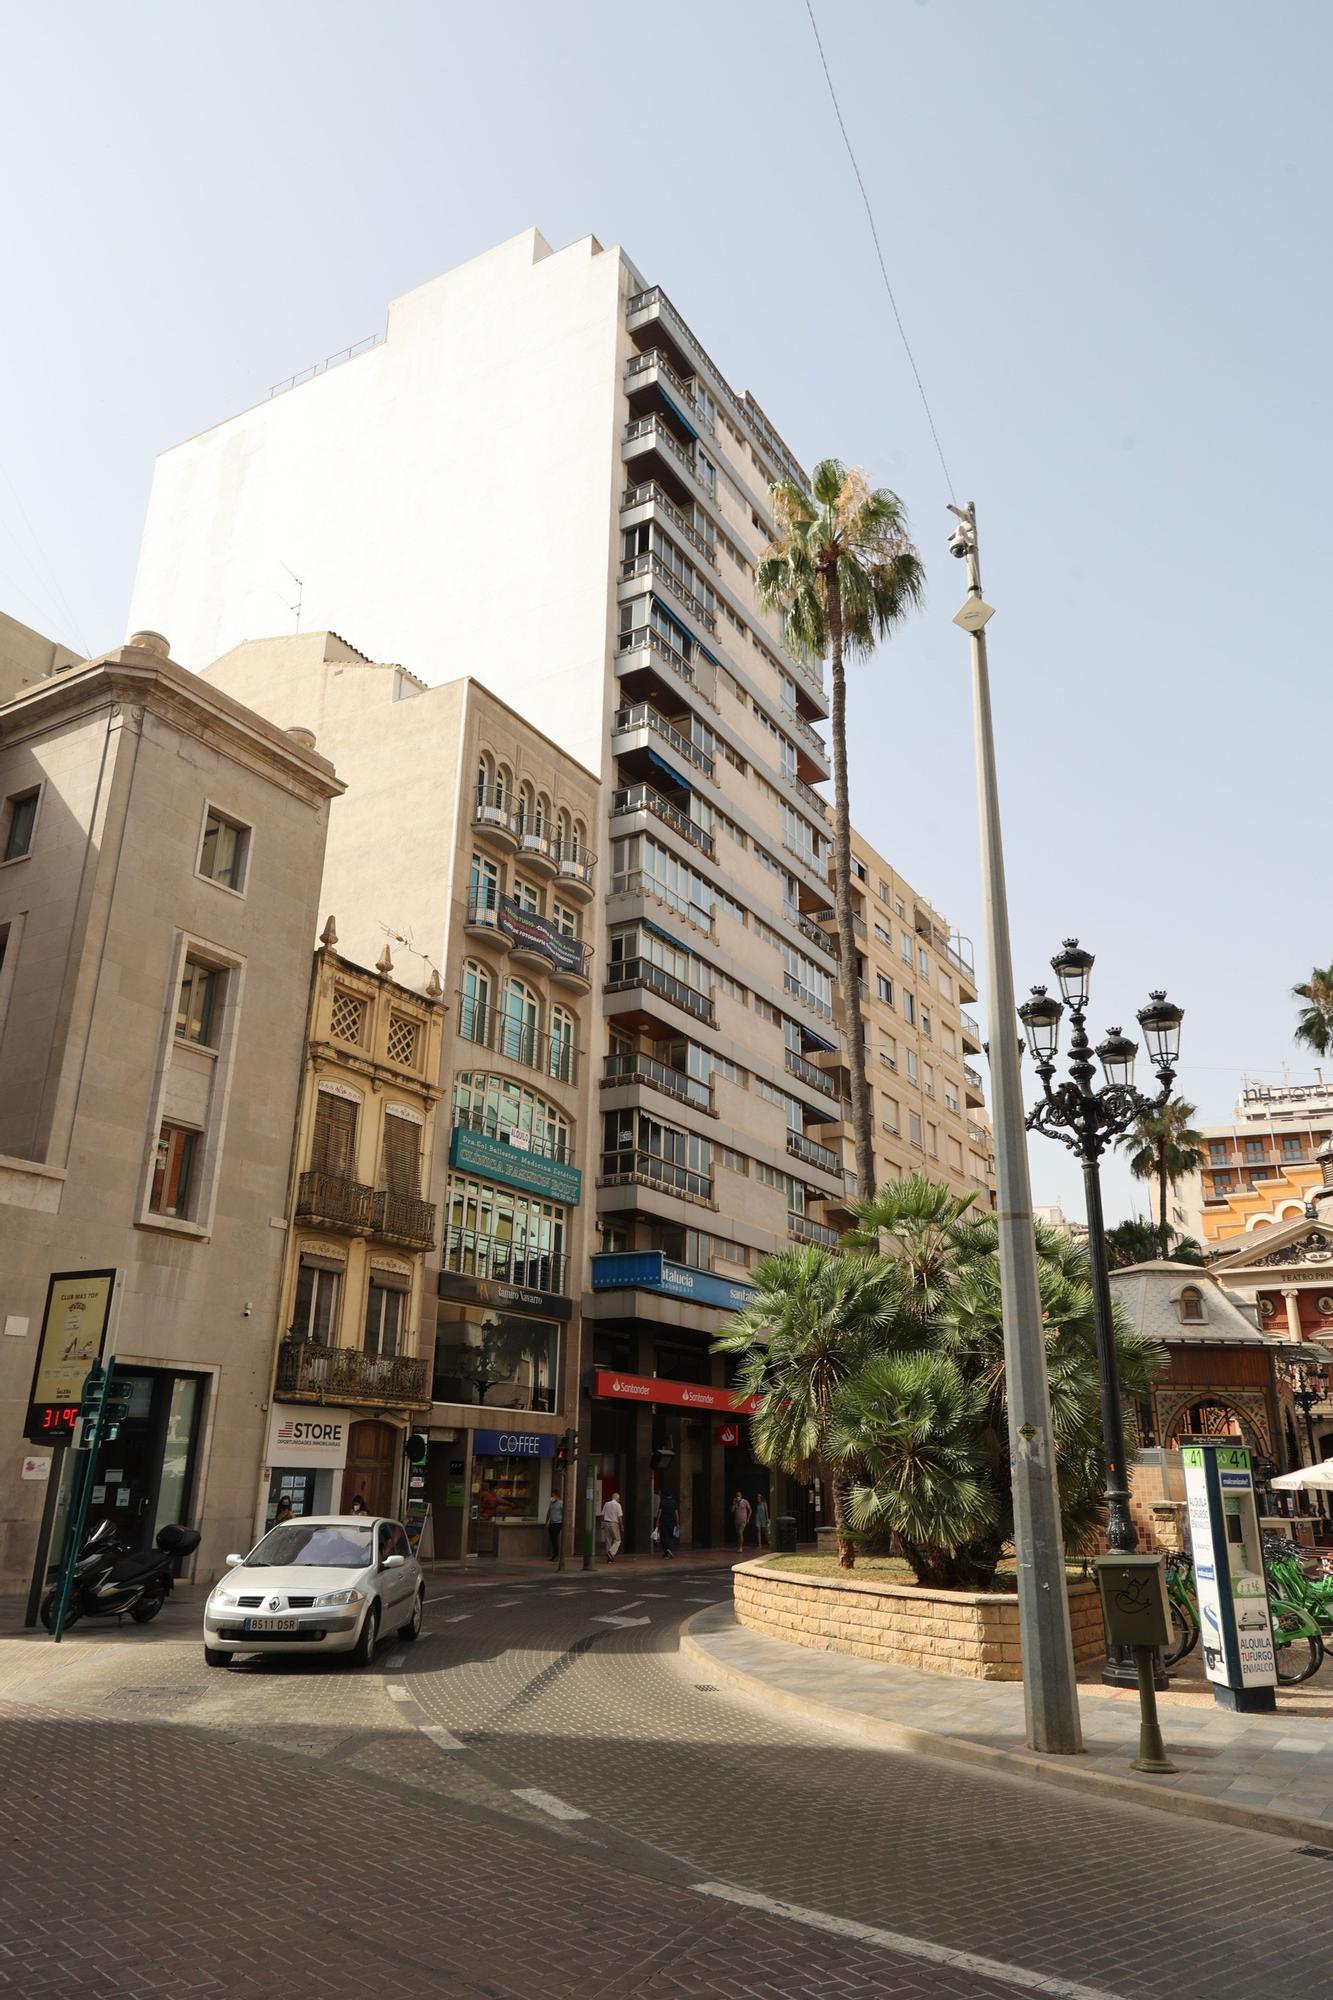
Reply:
x=1235, y=1621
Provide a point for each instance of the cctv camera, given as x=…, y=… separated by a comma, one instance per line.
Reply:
x=960, y=543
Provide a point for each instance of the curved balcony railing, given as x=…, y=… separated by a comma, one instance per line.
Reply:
x=474, y=1254
x=493, y=805
x=489, y=1027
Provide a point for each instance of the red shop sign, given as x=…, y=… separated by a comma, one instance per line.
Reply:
x=652, y=1389
x=728, y=1433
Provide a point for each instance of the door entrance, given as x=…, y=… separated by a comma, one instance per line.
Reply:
x=144, y=1477
x=372, y=1454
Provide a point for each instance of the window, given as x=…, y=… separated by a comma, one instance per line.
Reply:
x=909, y=1009
x=885, y=893
x=347, y=1016
x=765, y=1009
x=474, y=1008
x=884, y=988
x=923, y=961
x=732, y=1071
x=173, y=1171
x=946, y=986
x=899, y=906
x=197, y=1005
x=483, y=884
x=334, y=1148
x=948, y=1040
x=20, y=818
x=1221, y=1181
x=736, y=1163
x=925, y=1022
x=914, y=1128
x=400, y=1156
x=1191, y=1304
x=731, y=987
x=1217, y=1152
x=402, y=1041
x=561, y=1063
x=883, y=937
x=512, y=1112
x=384, y=1317
x=928, y=1080
x=911, y=1066
x=222, y=856
x=565, y=921
x=891, y=1115
x=905, y=947
x=950, y=1098
x=956, y=1155
x=933, y=1140
x=527, y=899
x=1254, y=1149
x=1291, y=1146
x=315, y=1308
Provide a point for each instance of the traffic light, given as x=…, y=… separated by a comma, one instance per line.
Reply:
x=566, y=1449
x=415, y=1448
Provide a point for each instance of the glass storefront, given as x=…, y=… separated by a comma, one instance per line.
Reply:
x=485, y=1355
x=506, y=1493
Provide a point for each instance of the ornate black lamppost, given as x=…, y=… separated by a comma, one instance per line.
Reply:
x=1088, y=1121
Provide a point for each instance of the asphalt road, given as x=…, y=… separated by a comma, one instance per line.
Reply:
x=539, y=1798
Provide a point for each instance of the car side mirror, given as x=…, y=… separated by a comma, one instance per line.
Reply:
x=233, y=1561
x=392, y=1562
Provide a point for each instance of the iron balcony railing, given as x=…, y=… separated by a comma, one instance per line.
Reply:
x=643, y=798
x=334, y=1200
x=631, y=1166
x=652, y=357
x=489, y=1027
x=494, y=806
x=800, y=1066
x=829, y=920
x=635, y=1068
x=651, y=494
x=807, y=792
x=649, y=563
x=654, y=429
x=490, y=1124
x=637, y=882
x=973, y=1076
x=642, y=715
x=812, y=1152
x=628, y=972
x=970, y=1025
x=649, y=636
x=810, y=736
x=976, y=1135
x=573, y=864
x=472, y=1253
x=804, y=1230
x=808, y=999
x=346, y=1375
x=403, y=1218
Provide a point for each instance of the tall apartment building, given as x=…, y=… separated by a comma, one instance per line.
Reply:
x=1260, y=1168
x=540, y=475
x=161, y=853
x=27, y=657
x=459, y=860
x=915, y=983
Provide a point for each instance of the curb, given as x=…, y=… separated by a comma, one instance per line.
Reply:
x=1066, y=1774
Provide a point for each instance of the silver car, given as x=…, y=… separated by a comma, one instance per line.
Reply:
x=322, y=1583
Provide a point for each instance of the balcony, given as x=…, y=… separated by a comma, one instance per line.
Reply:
x=489, y=1027
x=649, y=564
x=494, y=820
x=807, y=1072
x=792, y=985
x=828, y=921
x=643, y=798
x=802, y=730
x=533, y=1266
x=483, y=920
x=803, y=1230
x=636, y=1068
x=973, y=1088
x=648, y=637
x=574, y=872
x=630, y=1166
x=627, y=973
x=651, y=369
x=535, y=941
x=971, y=1032
x=642, y=715
x=812, y=1153
x=646, y=438
x=404, y=1219
x=334, y=1202
x=537, y=852
x=815, y=800
x=977, y=1134
x=314, y=1374
x=650, y=495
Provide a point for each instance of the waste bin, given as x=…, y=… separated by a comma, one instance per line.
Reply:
x=785, y=1528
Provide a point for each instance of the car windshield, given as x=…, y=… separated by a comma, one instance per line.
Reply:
x=311, y=1545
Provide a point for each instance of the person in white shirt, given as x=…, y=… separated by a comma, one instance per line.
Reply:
x=555, y=1521
x=613, y=1526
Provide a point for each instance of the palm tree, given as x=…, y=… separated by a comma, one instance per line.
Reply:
x=842, y=572
x=1138, y=1242
x=1315, y=1027
x=1162, y=1142
x=817, y=1318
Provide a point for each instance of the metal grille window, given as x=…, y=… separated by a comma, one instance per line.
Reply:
x=347, y=1018
x=334, y=1150
x=402, y=1041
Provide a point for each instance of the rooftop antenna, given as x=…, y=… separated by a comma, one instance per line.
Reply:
x=300, y=592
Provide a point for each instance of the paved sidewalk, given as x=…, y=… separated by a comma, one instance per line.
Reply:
x=1273, y=1773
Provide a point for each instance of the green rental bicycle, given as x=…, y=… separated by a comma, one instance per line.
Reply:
x=1298, y=1643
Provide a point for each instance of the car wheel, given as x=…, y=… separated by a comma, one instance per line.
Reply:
x=412, y=1628
x=216, y=1656
x=364, y=1650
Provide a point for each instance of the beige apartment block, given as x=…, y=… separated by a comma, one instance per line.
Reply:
x=157, y=905
x=462, y=847
x=915, y=983
x=356, y=1318
x=541, y=476
x=27, y=657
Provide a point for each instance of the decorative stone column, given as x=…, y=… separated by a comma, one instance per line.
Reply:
x=1292, y=1295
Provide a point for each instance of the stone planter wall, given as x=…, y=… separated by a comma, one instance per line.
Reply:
x=967, y=1633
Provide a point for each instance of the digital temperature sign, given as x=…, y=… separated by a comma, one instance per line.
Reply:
x=74, y=1327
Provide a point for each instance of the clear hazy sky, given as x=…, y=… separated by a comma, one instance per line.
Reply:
x=1108, y=230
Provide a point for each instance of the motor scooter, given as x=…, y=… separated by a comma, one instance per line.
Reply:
x=109, y=1581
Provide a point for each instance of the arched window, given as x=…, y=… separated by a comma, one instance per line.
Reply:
x=504, y=785
x=474, y=1008
x=485, y=779
x=543, y=819
x=1191, y=1305
x=563, y=835
x=580, y=840
x=520, y=1015
x=525, y=810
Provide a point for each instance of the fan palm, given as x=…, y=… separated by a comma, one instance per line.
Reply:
x=816, y=1319
x=1138, y=1242
x=1162, y=1144
x=841, y=572
x=1315, y=1027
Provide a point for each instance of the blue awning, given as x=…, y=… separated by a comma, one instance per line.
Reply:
x=670, y=771
x=672, y=619
x=829, y=1048
x=675, y=408
x=667, y=937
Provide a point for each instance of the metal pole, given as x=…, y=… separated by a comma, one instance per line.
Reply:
x=1050, y=1694
x=589, y=1514
x=1121, y=1534
x=41, y=1560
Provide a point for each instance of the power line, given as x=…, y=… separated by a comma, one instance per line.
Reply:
x=883, y=267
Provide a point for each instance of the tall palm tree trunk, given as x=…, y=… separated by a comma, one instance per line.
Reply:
x=862, y=1115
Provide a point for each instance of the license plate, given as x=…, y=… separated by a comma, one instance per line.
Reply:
x=271, y=1625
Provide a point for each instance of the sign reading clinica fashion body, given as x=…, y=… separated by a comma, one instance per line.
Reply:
x=652, y=1271
x=317, y=1439
x=495, y=1160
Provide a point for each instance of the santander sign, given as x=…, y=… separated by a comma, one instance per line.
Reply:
x=682, y=1395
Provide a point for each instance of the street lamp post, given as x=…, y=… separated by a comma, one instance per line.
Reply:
x=1050, y=1694
x=1087, y=1121
x=1308, y=1382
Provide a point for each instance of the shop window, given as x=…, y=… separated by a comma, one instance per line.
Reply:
x=224, y=851
x=505, y=1361
x=173, y=1171
x=384, y=1317
x=315, y=1311
x=20, y=818
x=198, y=1002
x=334, y=1149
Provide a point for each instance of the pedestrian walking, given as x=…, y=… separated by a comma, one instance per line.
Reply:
x=555, y=1521
x=761, y=1520
x=613, y=1526
x=666, y=1523
x=740, y=1515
